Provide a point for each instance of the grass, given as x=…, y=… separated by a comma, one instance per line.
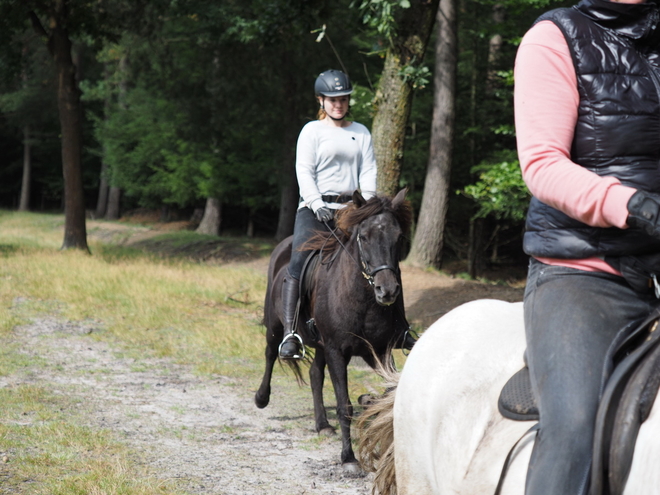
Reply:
x=47, y=453
x=144, y=304
x=194, y=313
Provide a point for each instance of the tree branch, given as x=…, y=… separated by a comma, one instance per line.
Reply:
x=40, y=30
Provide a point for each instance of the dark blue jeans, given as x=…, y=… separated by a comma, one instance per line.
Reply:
x=571, y=318
x=305, y=226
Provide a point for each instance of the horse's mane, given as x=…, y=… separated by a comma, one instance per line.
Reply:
x=346, y=219
x=375, y=431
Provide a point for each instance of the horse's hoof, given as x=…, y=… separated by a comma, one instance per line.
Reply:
x=261, y=402
x=352, y=469
x=365, y=400
x=328, y=431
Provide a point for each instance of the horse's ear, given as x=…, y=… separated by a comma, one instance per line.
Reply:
x=358, y=199
x=399, y=198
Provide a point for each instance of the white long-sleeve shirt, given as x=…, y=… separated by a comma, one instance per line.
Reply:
x=334, y=160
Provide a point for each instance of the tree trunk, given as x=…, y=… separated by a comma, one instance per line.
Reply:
x=427, y=244
x=475, y=248
x=24, y=204
x=288, y=203
x=70, y=113
x=210, y=223
x=104, y=187
x=288, y=181
x=114, y=202
x=394, y=94
x=104, y=183
x=114, y=196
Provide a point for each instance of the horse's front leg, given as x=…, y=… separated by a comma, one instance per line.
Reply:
x=273, y=338
x=316, y=378
x=262, y=396
x=339, y=376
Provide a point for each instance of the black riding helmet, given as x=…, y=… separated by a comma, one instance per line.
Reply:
x=333, y=83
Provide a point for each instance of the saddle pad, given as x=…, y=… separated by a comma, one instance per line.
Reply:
x=516, y=400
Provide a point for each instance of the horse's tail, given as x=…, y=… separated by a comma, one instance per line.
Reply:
x=294, y=365
x=375, y=429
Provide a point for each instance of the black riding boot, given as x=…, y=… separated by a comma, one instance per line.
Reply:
x=408, y=341
x=291, y=346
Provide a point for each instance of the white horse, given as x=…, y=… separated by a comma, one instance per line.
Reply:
x=438, y=430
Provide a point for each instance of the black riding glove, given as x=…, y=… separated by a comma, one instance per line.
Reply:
x=324, y=214
x=644, y=213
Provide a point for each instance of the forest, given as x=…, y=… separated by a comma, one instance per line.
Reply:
x=192, y=108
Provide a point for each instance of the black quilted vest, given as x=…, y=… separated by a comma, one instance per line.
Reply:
x=615, y=48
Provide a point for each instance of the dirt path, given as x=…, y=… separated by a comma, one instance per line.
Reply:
x=204, y=433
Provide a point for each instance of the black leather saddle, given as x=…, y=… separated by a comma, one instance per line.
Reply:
x=304, y=322
x=632, y=379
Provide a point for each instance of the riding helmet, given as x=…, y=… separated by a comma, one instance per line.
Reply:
x=333, y=83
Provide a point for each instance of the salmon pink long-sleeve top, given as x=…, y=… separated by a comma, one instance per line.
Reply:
x=546, y=102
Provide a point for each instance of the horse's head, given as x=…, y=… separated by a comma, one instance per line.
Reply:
x=377, y=227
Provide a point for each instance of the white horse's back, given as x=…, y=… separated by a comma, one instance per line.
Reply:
x=446, y=400
x=449, y=437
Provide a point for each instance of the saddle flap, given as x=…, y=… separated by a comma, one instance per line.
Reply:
x=619, y=414
x=635, y=406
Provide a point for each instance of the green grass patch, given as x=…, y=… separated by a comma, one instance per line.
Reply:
x=46, y=453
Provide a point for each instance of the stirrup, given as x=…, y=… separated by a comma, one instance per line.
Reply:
x=286, y=338
x=413, y=335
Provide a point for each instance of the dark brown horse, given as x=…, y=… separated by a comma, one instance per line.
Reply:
x=355, y=301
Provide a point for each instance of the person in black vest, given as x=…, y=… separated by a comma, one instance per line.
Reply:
x=587, y=110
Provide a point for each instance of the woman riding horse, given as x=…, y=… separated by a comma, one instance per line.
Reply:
x=587, y=109
x=334, y=156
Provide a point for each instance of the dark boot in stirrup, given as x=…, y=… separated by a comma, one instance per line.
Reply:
x=292, y=345
x=408, y=340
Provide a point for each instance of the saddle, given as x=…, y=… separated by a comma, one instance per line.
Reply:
x=631, y=382
x=303, y=320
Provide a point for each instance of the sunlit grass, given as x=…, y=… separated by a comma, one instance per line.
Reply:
x=47, y=453
x=202, y=314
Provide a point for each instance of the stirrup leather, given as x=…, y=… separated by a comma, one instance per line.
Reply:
x=287, y=337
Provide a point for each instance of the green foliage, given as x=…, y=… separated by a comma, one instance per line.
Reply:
x=379, y=15
x=500, y=191
x=418, y=76
x=362, y=108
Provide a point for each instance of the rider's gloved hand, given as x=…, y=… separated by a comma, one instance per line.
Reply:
x=644, y=212
x=324, y=214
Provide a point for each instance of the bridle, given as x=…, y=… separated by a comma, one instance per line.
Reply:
x=367, y=272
